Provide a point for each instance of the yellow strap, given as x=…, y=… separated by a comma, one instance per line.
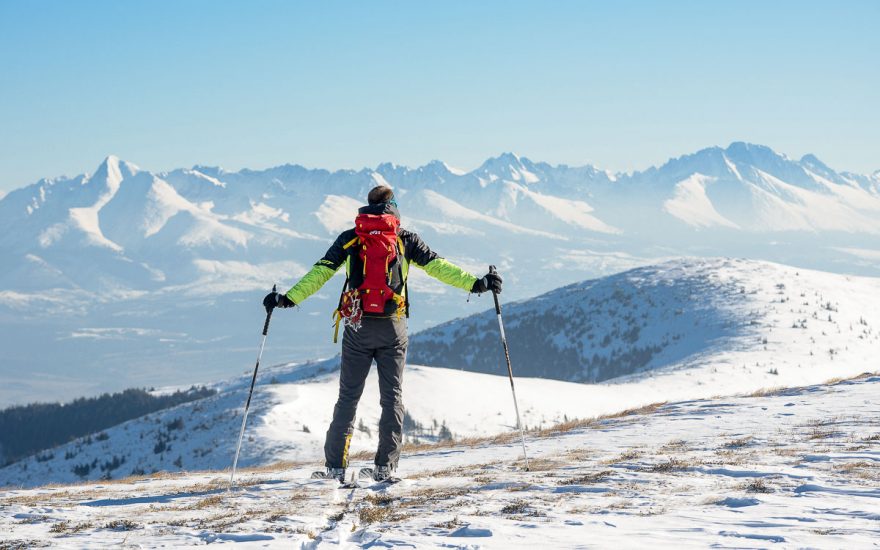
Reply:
x=350, y=243
x=345, y=450
x=401, y=305
x=404, y=264
x=338, y=317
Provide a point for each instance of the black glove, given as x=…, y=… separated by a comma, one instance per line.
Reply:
x=276, y=299
x=492, y=281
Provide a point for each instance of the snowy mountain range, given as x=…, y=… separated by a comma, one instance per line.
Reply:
x=129, y=277
x=681, y=330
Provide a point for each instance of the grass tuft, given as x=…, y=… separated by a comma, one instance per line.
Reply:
x=756, y=485
x=121, y=525
x=587, y=479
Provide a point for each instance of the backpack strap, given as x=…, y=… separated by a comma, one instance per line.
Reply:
x=404, y=271
x=337, y=315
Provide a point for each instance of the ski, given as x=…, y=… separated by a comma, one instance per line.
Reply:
x=343, y=484
x=367, y=473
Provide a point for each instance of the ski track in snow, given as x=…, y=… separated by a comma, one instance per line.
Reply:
x=795, y=468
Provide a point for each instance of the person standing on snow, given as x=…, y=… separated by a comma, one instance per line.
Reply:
x=377, y=254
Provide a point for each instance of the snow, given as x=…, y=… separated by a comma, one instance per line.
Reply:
x=451, y=209
x=573, y=212
x=685, y=328
x=732, y=168
x=807, y=210
x=211, y=180
x=379, y=179
x=220, y=277
x=692, y=206
x=52, y=234
x=865, y=253
x=109, y=177
x=796, y=467
x=575, y=223
x=337, y=213
x=454, y=171
x=715, y=328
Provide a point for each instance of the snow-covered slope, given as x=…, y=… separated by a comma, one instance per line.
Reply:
x=134, y=252
x=740, y=319
x=290, y=413
x=680, y=330
x=797, y=468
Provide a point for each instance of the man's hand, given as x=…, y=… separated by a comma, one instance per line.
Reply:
x=492, y=281
x=276, y=299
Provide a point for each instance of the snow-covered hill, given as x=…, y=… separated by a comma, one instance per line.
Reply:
x=112, y=273
x=796, y=468
x=737, y=318
x=680, y=330
x=292, y=409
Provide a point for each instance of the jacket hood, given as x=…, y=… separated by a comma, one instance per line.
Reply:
x=379, y=209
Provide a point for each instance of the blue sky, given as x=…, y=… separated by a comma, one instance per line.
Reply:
x=622, y=85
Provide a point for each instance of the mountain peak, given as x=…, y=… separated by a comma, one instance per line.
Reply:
x=504, y=158
x=811, y=160
x=752, y=153
x=115, y=168
x=510, y=166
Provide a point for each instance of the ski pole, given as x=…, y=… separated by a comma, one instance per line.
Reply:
x=509, y=369
x=250, y=394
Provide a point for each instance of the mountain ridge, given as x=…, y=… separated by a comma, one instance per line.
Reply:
x=501, y=158
x=170, y=261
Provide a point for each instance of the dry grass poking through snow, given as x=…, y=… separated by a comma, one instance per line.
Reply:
x=733, y=462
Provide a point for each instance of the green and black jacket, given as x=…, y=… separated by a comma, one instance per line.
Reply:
x=415, y=252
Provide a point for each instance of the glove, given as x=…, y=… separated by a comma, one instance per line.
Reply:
x=492, y=281
x=276, y=299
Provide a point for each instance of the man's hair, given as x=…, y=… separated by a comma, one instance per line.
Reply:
x=380, y=194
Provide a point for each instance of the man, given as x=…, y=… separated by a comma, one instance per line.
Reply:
x=377, y=254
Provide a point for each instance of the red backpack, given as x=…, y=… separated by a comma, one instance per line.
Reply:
x=378, y=250
x=378, y=246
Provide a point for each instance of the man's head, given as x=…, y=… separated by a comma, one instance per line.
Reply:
x=380, y=194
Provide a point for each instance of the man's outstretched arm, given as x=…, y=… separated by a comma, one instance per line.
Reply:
x=321, y=272
x=445, y=271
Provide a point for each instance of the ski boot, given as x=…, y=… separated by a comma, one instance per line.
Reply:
x=331, y=473
x=379, y=474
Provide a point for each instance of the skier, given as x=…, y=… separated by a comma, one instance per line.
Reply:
x=373, y=307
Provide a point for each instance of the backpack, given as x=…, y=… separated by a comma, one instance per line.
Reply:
x=378, y=252
x=377, y=235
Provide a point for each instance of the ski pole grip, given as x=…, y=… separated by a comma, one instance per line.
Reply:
x=269, y=314
x=493, y=271
x=266, y=324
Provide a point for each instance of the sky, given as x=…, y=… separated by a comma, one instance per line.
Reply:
x=622, y=85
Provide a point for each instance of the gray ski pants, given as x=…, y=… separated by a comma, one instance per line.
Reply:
x=384, y=340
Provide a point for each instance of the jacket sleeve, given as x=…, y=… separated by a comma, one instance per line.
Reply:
x=445, y=271
x=322, y=271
